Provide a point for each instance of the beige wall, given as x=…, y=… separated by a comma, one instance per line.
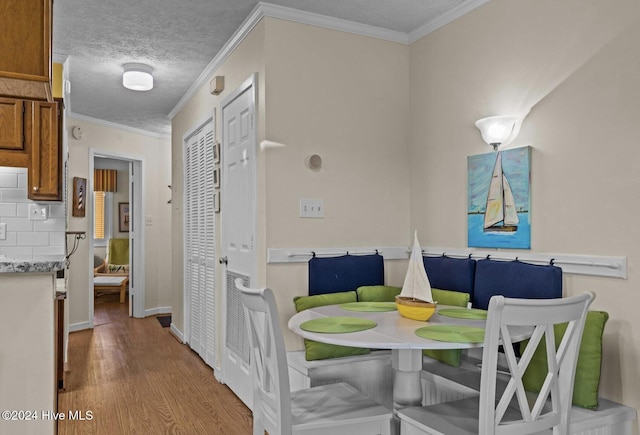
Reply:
x=575, y=65
x=345, y=98
x=157, y=176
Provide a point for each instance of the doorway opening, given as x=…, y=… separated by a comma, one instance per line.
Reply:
x=116, y=235
x=111, y=219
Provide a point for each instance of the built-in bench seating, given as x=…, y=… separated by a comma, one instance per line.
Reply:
x=372, y=373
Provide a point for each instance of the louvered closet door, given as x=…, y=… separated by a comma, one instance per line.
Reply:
x=199, y=268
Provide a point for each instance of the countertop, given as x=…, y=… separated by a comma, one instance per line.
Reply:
x=12, y=266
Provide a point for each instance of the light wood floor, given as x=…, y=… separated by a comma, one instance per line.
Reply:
x=136, y=378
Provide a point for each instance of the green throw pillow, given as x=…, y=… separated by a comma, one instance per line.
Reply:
x=450, y=297
x=377, y=293
x=384, y=293
x=587, y=381
x=305, y=302
x=456, y=299
x=315, y=350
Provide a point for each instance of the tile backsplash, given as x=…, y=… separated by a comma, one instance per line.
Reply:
x=28, y=239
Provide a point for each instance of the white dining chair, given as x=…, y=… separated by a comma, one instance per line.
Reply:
x=334, y=409
x=503, y=406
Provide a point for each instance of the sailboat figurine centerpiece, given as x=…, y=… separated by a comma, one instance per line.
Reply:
x=415, y=300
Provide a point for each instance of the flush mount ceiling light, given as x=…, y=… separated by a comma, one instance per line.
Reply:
x=496, y=129
x=137, y=77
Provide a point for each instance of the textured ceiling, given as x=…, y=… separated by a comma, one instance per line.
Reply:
x=179, y=39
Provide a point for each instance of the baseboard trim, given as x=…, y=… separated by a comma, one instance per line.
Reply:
x=79, y=326
x=157, y=310
x=176, y=333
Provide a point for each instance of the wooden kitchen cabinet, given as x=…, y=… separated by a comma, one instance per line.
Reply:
x=25, y=52
x=31, y=137
x=45, y=151
x=14, y=149
x=11, y=125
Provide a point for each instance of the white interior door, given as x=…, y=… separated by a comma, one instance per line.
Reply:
x=238, y=229
x=136, y=241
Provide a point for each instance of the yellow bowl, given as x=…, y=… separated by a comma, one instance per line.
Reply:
x=415, y=309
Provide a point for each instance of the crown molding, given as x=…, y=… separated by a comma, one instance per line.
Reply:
x=313, y=19
x=71, y=115
x=285, y=13
x=444, y=19
x=59, y=58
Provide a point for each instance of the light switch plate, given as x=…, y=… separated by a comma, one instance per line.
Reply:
x=38, y=212
x=311, y=208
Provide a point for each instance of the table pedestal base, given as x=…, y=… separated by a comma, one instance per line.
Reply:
x=407, y=386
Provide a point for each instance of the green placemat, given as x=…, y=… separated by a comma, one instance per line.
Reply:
x=464, y=313
x=452, y=333
x=369, y=306
x=338, y=324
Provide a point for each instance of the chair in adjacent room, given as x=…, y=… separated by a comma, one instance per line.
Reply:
x=113, y=274
x=336, y=409
x=503, y=406
x=117, y=261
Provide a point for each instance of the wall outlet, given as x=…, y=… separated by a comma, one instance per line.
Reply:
x=38, y=212
x=148, y=220
x=311, y=208
x=3, y=231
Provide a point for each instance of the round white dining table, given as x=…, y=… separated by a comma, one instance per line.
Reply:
x=396, y=333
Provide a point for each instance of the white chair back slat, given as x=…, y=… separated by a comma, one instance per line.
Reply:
x=561, y=358
x=317, y=409
x=272, y=410
x=503, y=406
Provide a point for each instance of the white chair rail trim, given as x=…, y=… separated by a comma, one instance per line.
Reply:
x=594, y=265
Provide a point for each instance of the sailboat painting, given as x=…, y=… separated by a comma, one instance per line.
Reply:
x=498, y=199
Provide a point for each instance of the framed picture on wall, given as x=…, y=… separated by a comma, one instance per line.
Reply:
x=499, y=204
x=79, y=196
x=124, y=221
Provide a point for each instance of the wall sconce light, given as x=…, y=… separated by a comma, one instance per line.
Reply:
x=137, y=77
x=496, y=129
